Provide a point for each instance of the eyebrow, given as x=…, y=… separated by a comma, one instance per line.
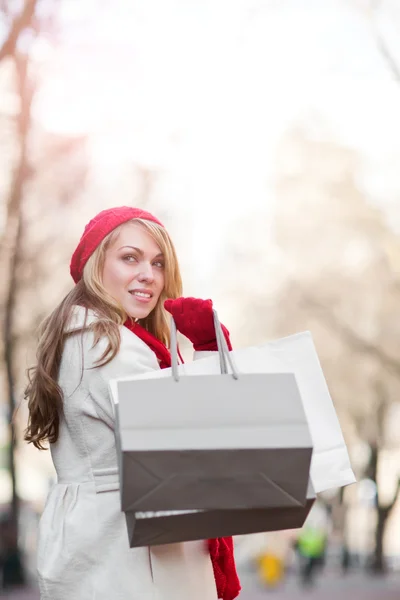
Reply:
x=139, y=251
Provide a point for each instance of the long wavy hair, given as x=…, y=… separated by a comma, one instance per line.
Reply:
x=43, y=393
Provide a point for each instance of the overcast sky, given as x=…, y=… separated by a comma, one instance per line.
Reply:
x=211, y=86
x=204, y=90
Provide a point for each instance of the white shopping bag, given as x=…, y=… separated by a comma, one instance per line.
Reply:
x=212, y=440
x=330, y=465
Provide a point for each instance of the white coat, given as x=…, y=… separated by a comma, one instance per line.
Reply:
x=83, y=549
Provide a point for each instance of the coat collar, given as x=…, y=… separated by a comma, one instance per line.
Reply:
x=77, y=323
x=77, y=318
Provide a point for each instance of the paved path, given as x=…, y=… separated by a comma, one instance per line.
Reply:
x=20, y=595
x=330, y=586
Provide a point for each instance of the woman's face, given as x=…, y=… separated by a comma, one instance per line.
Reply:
x=133, y=271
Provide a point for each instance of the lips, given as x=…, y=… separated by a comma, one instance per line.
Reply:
x=142, y=295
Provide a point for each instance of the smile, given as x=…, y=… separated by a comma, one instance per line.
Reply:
x=141, y=296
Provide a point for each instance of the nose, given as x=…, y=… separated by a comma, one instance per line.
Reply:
x=146, y=273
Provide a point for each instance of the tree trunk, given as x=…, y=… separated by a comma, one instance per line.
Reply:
x=9, y=362
x=378, y=563
x=11, y=249
x=13, y=566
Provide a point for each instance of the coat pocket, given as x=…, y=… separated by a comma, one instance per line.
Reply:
x=67, y=534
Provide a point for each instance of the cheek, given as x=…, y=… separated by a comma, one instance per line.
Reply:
x=160, y=281
x=114, y=275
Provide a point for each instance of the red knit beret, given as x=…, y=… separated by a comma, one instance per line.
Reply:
x=97, y=229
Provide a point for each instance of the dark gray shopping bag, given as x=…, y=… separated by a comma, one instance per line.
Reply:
x=154, y=528
x=211, y=441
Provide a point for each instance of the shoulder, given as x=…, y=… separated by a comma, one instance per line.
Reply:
x=134, y=356
x=80, y=318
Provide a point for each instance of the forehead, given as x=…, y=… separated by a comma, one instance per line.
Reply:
x=134, y=234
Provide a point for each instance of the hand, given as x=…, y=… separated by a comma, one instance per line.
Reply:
x=194, y=319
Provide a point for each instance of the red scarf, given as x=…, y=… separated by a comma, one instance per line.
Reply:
x=221, y=549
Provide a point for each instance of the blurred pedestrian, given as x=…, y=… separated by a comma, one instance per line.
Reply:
x=273, y=557
x=113, y=324
x=271, y=569
x=311, y=547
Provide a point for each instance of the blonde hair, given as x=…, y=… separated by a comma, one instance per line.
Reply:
x=44, y=395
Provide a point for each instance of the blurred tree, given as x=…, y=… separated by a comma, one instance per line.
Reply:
x=343, y=282
x=28, y=167
x=10, y=241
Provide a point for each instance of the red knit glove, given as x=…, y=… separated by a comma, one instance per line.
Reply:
x=194, y=319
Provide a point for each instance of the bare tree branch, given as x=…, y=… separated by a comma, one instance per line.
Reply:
x=23, y=20
x=390, y=61
x=382, y=46
x=352, y=337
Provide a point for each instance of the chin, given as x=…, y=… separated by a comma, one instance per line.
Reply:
x=139, y=312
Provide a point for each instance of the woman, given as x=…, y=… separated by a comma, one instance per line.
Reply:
x=112, y=324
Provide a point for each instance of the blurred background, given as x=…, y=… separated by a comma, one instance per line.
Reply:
x=266, y=135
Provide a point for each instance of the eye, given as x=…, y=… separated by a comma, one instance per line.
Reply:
x=129, y=258
x=159, y=264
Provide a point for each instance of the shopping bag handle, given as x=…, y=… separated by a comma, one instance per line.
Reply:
x=225, y=356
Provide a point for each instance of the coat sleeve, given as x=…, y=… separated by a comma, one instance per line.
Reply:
x=133, y=358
